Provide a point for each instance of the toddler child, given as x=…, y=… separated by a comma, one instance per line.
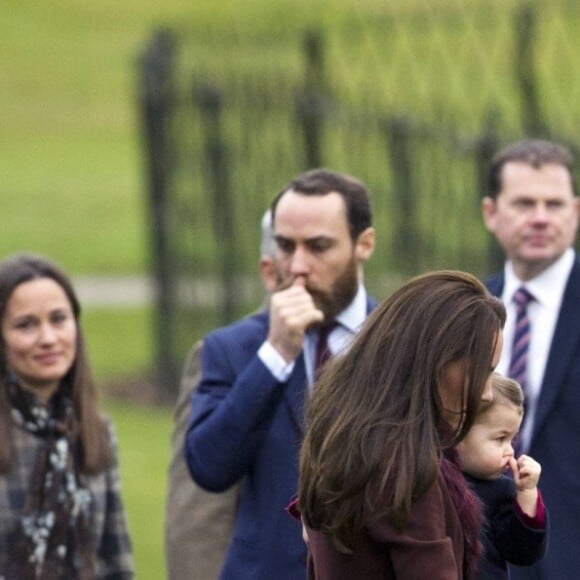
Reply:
x=516, y=521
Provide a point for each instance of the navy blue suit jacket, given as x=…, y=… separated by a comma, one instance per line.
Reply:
x=555, y=441
x=246, y=424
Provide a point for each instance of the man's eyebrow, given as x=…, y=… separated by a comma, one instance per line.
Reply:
x=320, y=238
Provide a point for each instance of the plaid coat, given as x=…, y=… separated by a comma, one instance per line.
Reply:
x=114, y=558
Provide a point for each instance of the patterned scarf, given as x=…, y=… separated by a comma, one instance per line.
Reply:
x=53, y=540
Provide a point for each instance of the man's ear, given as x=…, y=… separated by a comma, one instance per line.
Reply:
x=577, y=206
x=488, y=211
x=268, y=273
x=365, y=245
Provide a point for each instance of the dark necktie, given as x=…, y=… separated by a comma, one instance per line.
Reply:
x=322, y=350
x=520, y=346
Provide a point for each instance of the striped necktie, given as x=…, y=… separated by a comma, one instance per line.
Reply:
x=520, y=346
x=521, y=342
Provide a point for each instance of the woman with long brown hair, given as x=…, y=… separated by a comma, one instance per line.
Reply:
x=61, y=515
x=380, y=491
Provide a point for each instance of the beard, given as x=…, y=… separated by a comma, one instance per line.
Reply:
x=330, y=302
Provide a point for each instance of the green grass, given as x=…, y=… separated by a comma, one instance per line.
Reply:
x=119, y=341
x=144, y=435
x=71, y=166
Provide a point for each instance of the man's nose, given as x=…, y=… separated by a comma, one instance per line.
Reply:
x=300, y=265
x=540, y=213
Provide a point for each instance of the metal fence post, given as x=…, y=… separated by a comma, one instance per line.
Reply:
x=406, y=238
x=311, y=101
x=156, y=103
x=525, y=70
x=485, y=148
x=217, y=163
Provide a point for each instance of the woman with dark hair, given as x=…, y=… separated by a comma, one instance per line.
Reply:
x=381, y=493
x=61, y=515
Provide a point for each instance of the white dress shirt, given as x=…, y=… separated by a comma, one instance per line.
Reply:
x=548, y=290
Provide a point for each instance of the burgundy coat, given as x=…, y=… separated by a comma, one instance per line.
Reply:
x=439, y=542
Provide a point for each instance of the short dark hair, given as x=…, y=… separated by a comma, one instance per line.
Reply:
x=534, y=152
x=322, y=182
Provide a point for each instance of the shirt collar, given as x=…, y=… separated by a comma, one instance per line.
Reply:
x=548, y=287
x=353, y=316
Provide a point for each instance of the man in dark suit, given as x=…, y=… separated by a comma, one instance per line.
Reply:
x=533, y=212
x=248, y=411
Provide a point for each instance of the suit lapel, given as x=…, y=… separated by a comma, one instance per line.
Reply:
x=495, y=284
x=564, y=341
x=564, y=345
x=296, y=393
x=371, y=304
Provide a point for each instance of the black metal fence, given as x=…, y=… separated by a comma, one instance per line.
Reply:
x=222, y=140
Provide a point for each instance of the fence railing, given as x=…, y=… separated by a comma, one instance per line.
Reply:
x=218, y=147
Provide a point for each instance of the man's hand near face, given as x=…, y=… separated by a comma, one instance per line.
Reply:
x=292, y=312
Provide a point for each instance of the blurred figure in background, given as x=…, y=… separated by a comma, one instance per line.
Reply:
x=61, y=514
x=198, y=523
x=533, y=212
x=248, y=411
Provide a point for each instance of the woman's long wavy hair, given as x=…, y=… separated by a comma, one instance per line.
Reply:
x=96, y=453
x=376, y=416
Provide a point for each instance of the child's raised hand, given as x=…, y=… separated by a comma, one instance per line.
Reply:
x=526, y=472
x=526, y=475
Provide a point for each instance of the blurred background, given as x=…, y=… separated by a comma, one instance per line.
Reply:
x=141, y=142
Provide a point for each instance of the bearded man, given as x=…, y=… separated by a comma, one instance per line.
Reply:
x=247, y=416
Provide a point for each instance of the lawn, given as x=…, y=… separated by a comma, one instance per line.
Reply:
x=144, y=435
x=119, y=341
